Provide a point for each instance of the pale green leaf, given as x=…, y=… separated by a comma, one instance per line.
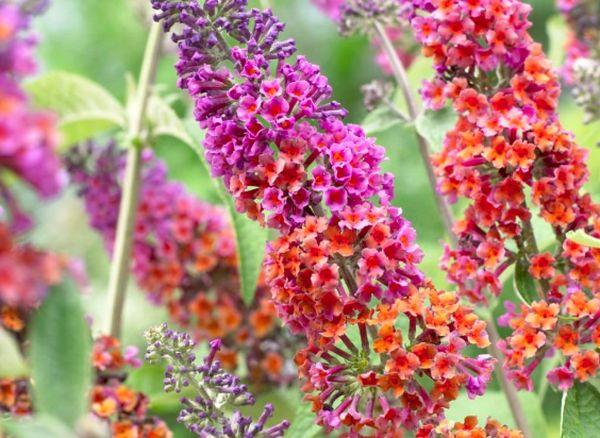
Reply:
x=433, y=125
x=379, y=120
x=84, y=108
x=250, y=237
x=60, y=356
x=38, y=426
x=12, y=363
x=580, y=414
x=303, y=423
x=525, y=285
x=580, y=237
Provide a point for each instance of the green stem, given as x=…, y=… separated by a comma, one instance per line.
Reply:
x=424, y=149
x=119, y=270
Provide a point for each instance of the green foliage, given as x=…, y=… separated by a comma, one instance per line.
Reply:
x=580, y=416
x=38, y=426
x=85, y=109
x=584, y=239
x=493, y=404
x=12, y=363
x=525, y=285
x=433, y=125
x=303, y=423
x=380, y=119
x=60, y=356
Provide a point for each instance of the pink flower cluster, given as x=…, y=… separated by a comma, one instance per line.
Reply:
x=508, y=153
x=184, y=258
x=386, y=350
x=28, y=137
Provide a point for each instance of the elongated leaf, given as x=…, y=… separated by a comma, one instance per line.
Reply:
x=12, y=363
x=580, y=415
x=60, y=356
x=85, y=109
x=250, y=237
x=584, y=239
x=433, y=125
x=379, y=120
x=525, y=285
x=38, y=426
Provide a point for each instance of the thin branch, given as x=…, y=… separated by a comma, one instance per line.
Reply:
x=119, y=270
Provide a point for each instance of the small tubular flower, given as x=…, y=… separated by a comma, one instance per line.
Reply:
x=344, y=269
x=184, y=258
x=510, y=157
x=218, y=391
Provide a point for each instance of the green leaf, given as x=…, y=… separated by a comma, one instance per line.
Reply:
x=525, y=285
x=493, y=404
x=580, y=414
x=160, y=117
x=60, y=356
x=250, y=237
x=37, y=426
x=303, y=423
x=380, y=119
x=12, y=363
x=433, y=125
x=584, y=239
x=85, y=109
x=557, y=32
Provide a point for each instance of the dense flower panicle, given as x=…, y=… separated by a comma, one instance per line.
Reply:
x=218, y=392
x=583, y=18
x=26, y=274
x=184, y=258
x=508, y=153
x=28, y=137
x=346, y=262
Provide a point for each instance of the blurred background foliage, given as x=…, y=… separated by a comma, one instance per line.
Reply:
x=104, y=40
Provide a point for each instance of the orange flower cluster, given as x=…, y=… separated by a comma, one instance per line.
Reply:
x=125, y=409
x=469, y=429
x=507, y=153
x=14, y=397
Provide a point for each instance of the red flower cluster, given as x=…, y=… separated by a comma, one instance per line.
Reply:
x=507, y=153
x=385, y=348
x=25, y=276
x=184, y=258
x=14, y=397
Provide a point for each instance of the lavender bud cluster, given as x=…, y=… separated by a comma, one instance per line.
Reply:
x=359, y=16
x=208, y=414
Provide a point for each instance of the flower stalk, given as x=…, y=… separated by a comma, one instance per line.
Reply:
x=119, y=270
